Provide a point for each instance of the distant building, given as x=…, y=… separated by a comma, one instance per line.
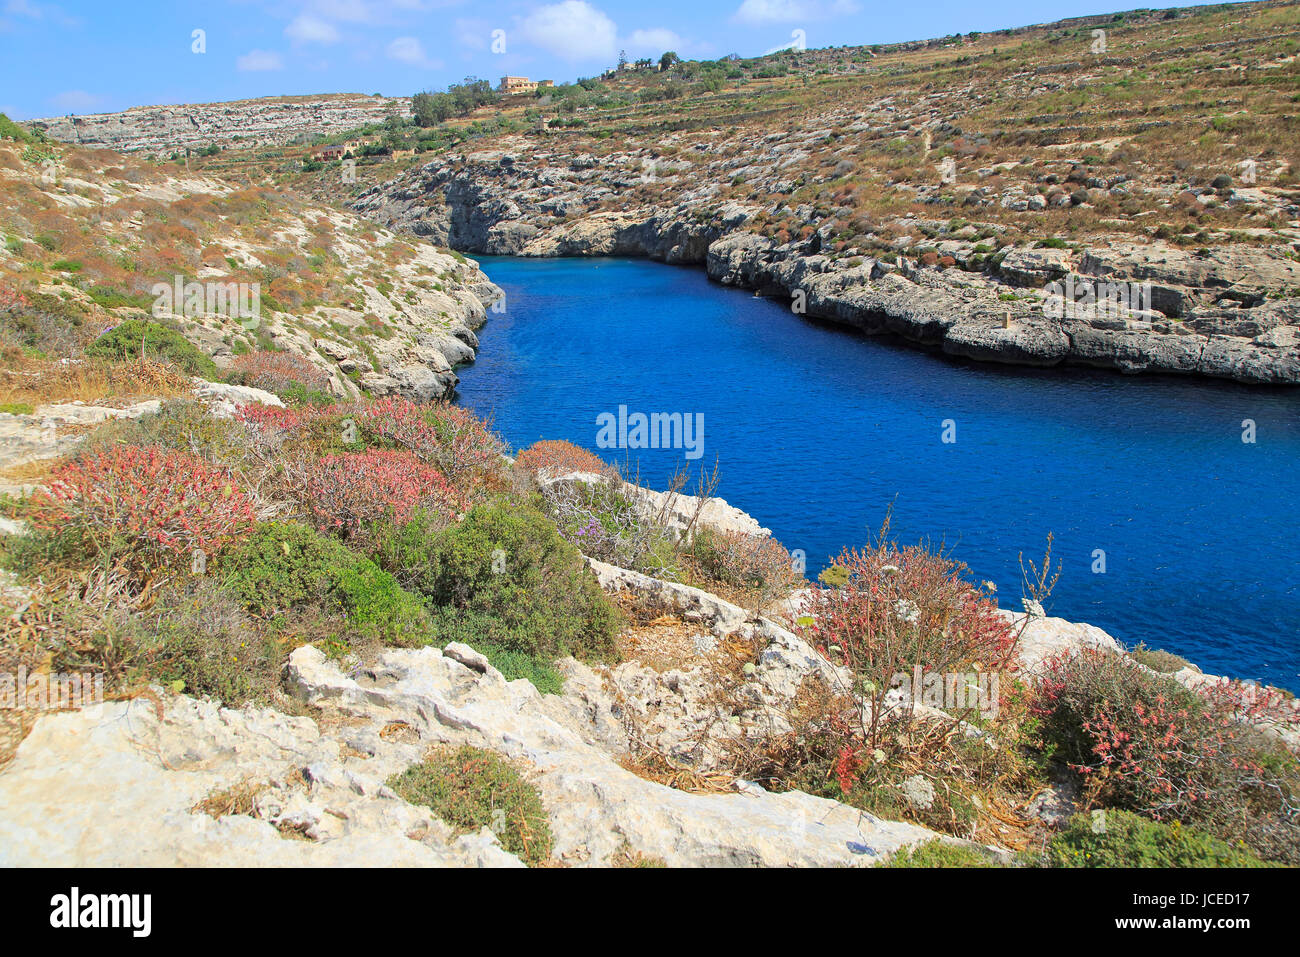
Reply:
x=330, y=152
x=545, y=84
x=511, y=85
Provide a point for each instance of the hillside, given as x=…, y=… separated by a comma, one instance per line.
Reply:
x=933, y=193
x=95, y=235
x=930, y=190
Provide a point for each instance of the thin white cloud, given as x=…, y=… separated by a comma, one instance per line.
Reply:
x=411, y=51
x=473, y=34
x=308, y=29
x=259, y=61
x=351, y=11
x=572, y=30
x=40, y=11
x=761, y=12
x=655, y=40
x=75, y=101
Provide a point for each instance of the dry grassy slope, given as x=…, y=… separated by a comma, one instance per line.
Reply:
x=1177, y=98
x=377, y=311
x=1171, y=103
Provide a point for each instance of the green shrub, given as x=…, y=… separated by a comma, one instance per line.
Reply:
x=16, y=408
x=1124, y=839
x=285, y=565
x=197, y=639
x=526, y=589
x=46, y=323
x=126, y=339
x=470, y=788
x=1158, y=660
x=111, y=298
x=182, y=424
x=937, y=853
x=11, y=130
x=511, y=663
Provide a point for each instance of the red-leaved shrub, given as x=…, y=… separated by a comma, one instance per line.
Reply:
x=347, y=492
x=152, y=504
x=276, y=425
x=554, y=457
x=278, y=372
x=448, y=437
x=1143, y=742
x=897, y=609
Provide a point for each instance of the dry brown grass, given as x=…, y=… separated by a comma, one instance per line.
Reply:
x=30, y=473
x=241, y=799
x=626, y=857
x=661, y=769
x=662, y=643
x=36, y=382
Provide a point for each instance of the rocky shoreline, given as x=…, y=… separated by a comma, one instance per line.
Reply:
x=1213, y=312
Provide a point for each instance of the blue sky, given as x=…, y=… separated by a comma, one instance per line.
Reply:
x=94, y=56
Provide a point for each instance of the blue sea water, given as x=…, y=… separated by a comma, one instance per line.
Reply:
x=818, y=430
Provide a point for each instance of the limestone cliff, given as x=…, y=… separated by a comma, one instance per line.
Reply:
x=1229, y=312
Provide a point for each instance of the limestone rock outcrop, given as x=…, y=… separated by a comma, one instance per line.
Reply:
x=1229, y=312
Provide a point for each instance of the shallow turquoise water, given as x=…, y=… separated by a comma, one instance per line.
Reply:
x=817, y=430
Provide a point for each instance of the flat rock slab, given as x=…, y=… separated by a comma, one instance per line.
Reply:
x=118, y=785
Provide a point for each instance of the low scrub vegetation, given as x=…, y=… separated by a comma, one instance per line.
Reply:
x=505, y=578
x=470, y=789
x=350, y=491
x=939, y=853
x=142, y=509
x=1142, y=742
x=292, y=378
x=138, y=338
x=551, y=458
x=1124, y=839
x=285, y=567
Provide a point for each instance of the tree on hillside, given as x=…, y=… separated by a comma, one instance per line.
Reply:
x=460, y=99
x=668, y=59
x=424, y=110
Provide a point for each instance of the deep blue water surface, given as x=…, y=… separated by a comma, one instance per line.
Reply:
x=817, y=430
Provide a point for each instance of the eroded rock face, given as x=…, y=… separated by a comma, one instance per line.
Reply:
x=1224, y=313
x=253, y=122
